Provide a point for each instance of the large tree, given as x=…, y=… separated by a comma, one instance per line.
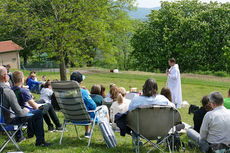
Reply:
x=69, y=30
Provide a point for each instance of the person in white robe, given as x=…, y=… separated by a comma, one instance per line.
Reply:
x=174, y=82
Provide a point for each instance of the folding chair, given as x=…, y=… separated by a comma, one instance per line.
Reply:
x=3, y=125
x=151, y=123
x=69, y=98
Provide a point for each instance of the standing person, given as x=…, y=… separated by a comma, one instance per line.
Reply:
x=174, y=82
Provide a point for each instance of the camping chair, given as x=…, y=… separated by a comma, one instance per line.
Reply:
x=69, y=98
x=153, y=122
x=5, y=126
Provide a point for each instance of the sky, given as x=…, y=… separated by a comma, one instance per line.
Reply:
x=156, y=3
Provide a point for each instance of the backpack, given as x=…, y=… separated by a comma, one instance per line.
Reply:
x=178, y=144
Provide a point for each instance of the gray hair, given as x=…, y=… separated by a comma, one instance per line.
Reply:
x=3, y=71
x=216, y=97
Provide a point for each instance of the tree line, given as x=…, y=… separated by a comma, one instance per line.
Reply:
x=196, y=34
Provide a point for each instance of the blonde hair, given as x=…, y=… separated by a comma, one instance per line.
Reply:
x=17, y=76
x=121, y=95
x=114, y=93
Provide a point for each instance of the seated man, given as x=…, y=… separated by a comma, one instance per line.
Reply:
x=34, y=86
x=215, y=126
x=227, y=100
x=89, y=103
x=10, y=101
x=149, y=96
x=25, y=100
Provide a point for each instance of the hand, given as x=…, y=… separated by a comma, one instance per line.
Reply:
x=26, y=109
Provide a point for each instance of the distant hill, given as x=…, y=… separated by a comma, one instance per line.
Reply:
x=141, y=13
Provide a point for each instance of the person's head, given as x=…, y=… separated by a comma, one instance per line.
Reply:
x=3, y=74
x=8, y=68
x=167, y=93
x=150, y=88
x=229, y=92
x=77, y=76
x=103, y=91
x=114, y=93
x=96, y=89
x=44, y=78
x=172, y=61
x=111, y=85
x=32, y=72
x=121, y=95
x=33, y=76
x=47, y=84
x=18, y=77
x=216, y=99
x=206, y=103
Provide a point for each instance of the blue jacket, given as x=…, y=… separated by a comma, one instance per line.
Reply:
x=31, y=83
x=89, y=103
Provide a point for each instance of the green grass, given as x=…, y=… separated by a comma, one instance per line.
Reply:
x=193, y=89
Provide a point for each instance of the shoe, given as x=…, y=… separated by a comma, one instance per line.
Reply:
x=59, y=129
x=43, y=144
x=87, y=135
x=19, y=140
x=50, y=129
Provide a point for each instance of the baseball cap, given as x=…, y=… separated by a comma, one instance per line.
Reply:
x=77, y=76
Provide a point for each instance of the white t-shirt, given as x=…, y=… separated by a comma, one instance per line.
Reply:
x=46, y=94
x=118, y=108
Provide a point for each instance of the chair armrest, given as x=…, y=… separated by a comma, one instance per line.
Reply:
x=96, y=110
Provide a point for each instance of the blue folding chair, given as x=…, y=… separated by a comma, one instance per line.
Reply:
x=8, y=128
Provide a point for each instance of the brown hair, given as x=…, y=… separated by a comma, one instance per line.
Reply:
x=150, y=88
x=167, y=93
x=114, y=93
x=121, y=95
x=17, y=76
x=172, y=60
x=206, y=103
x=47, y=84
x=95, y=89
x=103, y=91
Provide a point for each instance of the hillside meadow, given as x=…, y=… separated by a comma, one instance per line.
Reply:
x=194, y=87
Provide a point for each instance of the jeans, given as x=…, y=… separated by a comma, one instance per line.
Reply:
x=35, y=125
x=194, y=135
x=36, y=88
x=48, y=110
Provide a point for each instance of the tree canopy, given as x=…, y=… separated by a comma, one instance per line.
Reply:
x=196, y=34
x=69, y=30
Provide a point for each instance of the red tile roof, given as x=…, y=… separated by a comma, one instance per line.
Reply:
x=6, y=46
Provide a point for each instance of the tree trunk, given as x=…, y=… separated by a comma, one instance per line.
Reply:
x=63, y=71
x=25, y=60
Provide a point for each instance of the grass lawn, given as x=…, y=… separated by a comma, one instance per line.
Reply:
x=194, y=87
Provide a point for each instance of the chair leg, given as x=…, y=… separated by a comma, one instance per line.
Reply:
x=91, y=132
x=77, y=132
x=63, y=130
x=11, y=138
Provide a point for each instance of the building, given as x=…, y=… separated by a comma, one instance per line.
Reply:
x=9, y=54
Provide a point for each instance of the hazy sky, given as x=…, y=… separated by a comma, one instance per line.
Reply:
x=156, y=3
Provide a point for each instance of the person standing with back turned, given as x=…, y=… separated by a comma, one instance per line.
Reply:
x=174, y=82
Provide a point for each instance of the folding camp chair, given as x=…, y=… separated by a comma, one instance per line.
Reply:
x=4, y=126
x=69, y=98
x=151, y=123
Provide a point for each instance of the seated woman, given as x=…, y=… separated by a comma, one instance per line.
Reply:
x=113, y=97
x=119, y=106
x=95, y=94
x=149, y=96
x=165, y=91
x=200, y=113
